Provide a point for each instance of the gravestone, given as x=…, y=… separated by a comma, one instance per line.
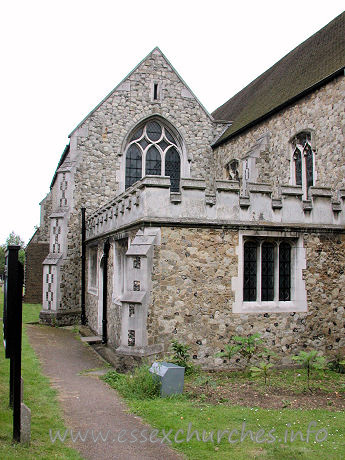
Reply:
x=25, y=424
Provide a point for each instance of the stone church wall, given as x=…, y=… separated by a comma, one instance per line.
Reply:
x=193, y=297
x=322, y=112
x=35, y=253
x=97, y=147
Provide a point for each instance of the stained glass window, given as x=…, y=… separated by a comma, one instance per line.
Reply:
x=153, y=161
x=172, y=168
x=133, y=165
x=284, y=272
x=250, y=271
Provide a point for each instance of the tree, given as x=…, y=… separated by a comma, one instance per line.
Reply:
x=250, y=346
x=2, y=260
x=310, y=361
x=15, y=240
x=229, y=352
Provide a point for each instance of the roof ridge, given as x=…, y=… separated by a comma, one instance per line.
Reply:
x=312, y=61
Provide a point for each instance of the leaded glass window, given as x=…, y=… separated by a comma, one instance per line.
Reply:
x=148, y=146
x=303, y=161
x=309, y=164
x=153, y=130
x=250, y=271
x=153, y=161
x=172, y=168
x=133, y=165
x=284, y=272
x=267, y=272
x=298, y=166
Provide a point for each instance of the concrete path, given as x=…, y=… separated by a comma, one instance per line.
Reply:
x=88, y=403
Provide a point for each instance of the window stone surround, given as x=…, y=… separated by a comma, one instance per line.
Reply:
x=298, y=264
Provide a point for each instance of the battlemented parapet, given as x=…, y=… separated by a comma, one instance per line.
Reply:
x=150, y=199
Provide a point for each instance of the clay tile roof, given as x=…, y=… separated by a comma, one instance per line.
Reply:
x=312, y=63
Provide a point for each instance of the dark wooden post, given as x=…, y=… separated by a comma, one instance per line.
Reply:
x=14, y=277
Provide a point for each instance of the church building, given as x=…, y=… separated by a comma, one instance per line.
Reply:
x=201, y=226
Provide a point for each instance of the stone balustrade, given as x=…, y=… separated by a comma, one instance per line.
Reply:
x=150, y=200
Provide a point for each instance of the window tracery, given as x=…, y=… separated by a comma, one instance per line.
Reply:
x=153, y=150
x=303, y=158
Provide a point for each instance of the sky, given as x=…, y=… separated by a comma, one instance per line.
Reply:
x=61, y=58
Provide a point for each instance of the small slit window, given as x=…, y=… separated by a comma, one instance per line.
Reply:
x=155, y=91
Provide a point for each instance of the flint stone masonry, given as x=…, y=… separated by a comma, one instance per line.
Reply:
x=192, y=298
x=98, y=143
x=175, y=265
x=269, y=141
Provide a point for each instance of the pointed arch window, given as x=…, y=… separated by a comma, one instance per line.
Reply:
x=153, y=161
x=297, y=156
x=153, y=150
x=303, y=158
x=173, y=168
x=133, y=165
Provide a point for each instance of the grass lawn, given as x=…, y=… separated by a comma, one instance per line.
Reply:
x=39, y=397
x=203, y=408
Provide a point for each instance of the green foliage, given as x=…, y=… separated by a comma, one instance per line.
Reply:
x=262, y=369
x=205, y=381
x=140, y=384
x=337, y=364
x=229, y=352
x=181, y=356
x=250, y=346
x=45, y=410
x=2, y=260
x=310, y=360
x=12, y=239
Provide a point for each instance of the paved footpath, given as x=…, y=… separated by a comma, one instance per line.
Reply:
x=88, y=403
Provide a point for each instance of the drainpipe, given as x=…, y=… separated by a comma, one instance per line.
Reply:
x=105, y=292
x=83, y=272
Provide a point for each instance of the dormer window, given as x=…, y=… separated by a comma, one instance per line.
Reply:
x=303, y=159
x=153, y=150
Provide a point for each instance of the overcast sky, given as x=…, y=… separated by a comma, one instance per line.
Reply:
x=60, y=58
